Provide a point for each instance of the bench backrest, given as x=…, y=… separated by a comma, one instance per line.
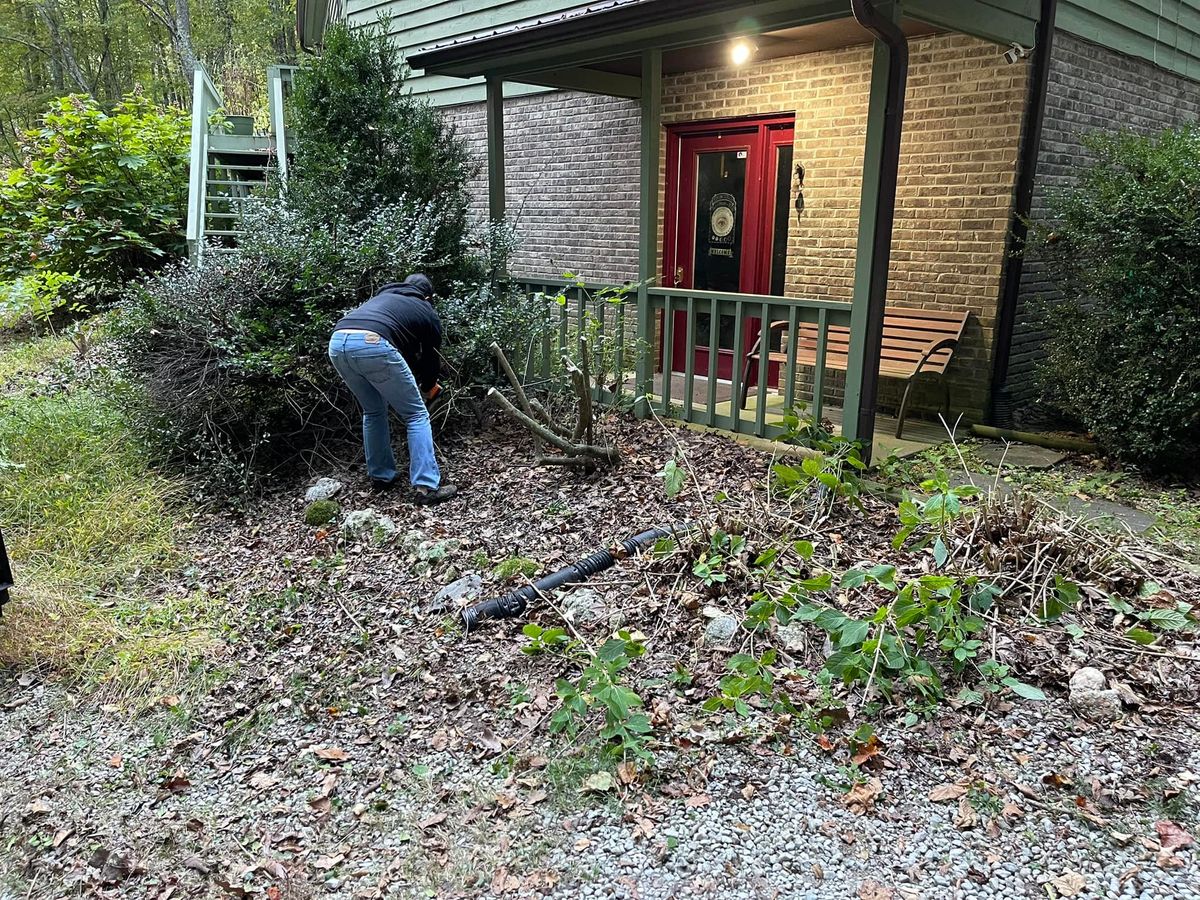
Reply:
x=906, y=334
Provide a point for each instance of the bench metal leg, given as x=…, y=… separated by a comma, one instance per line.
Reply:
x=744, y=399
x=904, y=405
x=908, y=391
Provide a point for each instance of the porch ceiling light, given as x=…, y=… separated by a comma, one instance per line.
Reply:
x=740, y=52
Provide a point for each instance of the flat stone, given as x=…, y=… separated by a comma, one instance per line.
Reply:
x=1088, y=679
x=1021, y=456
x=585, y=606
x=370, y=522
x=324, y=489
x=1137, y=521
x=793, y=638
x=720, y=631
x=456, y=593
x=1090, y=697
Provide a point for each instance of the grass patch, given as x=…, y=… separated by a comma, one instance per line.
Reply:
x=87, y=522
x=21, y=361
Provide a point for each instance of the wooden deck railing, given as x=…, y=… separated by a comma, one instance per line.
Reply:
x=675, y=312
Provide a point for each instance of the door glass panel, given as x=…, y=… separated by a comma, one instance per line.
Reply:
x=720, y=210
x=783, y=218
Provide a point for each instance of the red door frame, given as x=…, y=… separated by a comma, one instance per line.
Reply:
x=759, y=136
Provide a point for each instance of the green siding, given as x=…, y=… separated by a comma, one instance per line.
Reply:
x=1166, y=32
x=417, y=24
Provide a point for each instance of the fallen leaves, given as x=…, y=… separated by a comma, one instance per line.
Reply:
x=944, y=793
x=598, y=783
x=1069, y=884
x=331, y=754
x=860, y=799
x=1172, y=836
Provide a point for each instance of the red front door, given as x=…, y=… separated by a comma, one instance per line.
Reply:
x=727, y=212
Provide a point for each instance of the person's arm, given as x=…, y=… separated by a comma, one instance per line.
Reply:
x=431, y=359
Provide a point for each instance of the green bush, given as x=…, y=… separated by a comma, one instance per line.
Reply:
x=1123, y=354
x=362, y=138
x=232, y=357
x=34, y=299
x=101, y=194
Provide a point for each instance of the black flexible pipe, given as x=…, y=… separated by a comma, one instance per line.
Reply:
x=513, y=603
x=6, y=578
x=888, y=32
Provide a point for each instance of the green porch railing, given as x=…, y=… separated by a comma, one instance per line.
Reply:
x=692, y=330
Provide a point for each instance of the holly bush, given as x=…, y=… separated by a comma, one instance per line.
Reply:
x=1123, y=245
x=101, y=193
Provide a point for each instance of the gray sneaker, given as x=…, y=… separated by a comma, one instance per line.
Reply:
x=427, y=497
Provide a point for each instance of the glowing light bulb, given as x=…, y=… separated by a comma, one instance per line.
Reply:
x=740, y=53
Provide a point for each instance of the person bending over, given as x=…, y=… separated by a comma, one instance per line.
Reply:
x=386, y=350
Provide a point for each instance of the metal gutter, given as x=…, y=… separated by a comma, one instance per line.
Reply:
x=621, y=25
x=889, y=33
x=1014, y=259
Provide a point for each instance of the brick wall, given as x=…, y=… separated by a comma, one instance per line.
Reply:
x=572, y=178
x=571, y=173
x=1091, y=89
x=961, y=136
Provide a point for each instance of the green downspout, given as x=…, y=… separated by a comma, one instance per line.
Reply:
x=999, y=403
x=881, y=161
x=495, y=148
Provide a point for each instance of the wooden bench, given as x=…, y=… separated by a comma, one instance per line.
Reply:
x=915, y=342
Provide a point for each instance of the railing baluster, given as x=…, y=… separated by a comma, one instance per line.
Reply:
x=668, y=352
x=619, y=356
x=819, y=364
x=789, y=387
x=714, y=324
x=739, y=355
x=764, y=349
x=598, y=360
x=547, y=331
x=689, y=362
x=564, y=317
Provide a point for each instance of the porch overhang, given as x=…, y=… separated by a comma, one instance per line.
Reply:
x=599, y=48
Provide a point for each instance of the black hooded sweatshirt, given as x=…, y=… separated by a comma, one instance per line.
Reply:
x=403, y=316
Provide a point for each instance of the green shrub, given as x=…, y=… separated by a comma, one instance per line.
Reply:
x=1123, y=355
x=34, y=299
x=100, y=194
x=363, y=139
x=232, y=357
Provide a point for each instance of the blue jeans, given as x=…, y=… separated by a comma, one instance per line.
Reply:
x=378, y=376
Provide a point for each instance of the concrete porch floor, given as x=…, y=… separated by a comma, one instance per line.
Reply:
x=919, y=433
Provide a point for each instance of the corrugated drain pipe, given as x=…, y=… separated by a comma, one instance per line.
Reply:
x=890, y=34
x=513, y=603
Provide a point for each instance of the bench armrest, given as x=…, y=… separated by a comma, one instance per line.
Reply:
x=934, y=346
x=774, y=326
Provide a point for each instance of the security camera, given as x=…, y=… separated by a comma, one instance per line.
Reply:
x=1015, y=52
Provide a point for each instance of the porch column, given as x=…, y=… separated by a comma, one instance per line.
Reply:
x=881, y=155
x=648, y=220
x=495, y=147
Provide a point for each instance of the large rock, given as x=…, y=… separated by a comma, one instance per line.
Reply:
x=587, y=606
x=456, y=594
x=324, y=489
x=793, y=638
x=368, y=523
x=720, y=631
x=1090, y=696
